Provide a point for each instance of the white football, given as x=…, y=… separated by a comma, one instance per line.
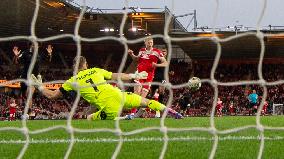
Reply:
x=194, y=83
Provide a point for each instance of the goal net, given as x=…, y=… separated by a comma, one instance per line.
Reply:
x=117, y=136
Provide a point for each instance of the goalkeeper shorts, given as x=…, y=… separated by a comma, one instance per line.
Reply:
x=111, y=105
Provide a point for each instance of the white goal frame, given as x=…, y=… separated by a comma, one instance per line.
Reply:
x=277, y=109
x=163, y=128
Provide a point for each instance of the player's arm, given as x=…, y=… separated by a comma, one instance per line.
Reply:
x=51, y=94
x=249, y=97
x=46, y=54
x=126, y=77
x=123, y=76
x=163, y=63
x=49, y=50
x=17, y=54
x=134, y=57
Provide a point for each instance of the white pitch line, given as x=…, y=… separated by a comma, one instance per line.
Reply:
x=105, y=140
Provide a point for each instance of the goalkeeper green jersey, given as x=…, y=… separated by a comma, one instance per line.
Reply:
x=92, y=85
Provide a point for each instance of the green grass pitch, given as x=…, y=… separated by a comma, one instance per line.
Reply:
x=147, y=144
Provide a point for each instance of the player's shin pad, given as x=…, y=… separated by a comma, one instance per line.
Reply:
x=156, y=105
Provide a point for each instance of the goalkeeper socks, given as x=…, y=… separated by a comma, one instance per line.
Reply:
x=158, y=114
x=156, y=105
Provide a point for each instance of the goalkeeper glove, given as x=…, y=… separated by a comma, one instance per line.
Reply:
x=139, y=75
x=37, y=81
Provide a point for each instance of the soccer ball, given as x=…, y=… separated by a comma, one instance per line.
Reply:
x=194, y=83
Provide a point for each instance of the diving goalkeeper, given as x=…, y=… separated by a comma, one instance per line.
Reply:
x=93, y=87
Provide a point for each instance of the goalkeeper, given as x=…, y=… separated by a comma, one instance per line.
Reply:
x=92, y=86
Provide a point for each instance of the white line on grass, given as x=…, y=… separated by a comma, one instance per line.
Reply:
x=104, y=140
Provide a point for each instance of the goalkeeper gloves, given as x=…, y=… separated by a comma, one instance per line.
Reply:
x=37, y=81
x=139, y=75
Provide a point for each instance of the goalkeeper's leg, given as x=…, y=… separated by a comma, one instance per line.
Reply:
x=134, y=100
x=131, y=100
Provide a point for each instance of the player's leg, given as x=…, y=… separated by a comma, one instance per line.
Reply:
x=157, y=106
x=255, y=108
x=99, y=115
x=158, y=114
x=133, y=100
x=217, y=112
x=144, y=93
x=251, y=111
x=109, y=103
x=161, y=91
x=137, y=90
x=262, y=112
x=10, y=117
x=146, y=85
x=250, y=108
x=13, y=116
x=156, y=98
x=162, y=88
x=110, y=112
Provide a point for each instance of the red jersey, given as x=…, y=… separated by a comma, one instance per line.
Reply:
x=36, y=110
x=265, y=105
x=13, y=108
x=219, y=105
x=146, y=58
x=231, y=108
x=156, y=96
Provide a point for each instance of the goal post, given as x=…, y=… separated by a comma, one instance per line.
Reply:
x=170, y=33
x=277, y=109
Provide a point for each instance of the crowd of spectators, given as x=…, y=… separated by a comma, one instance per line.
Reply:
x=43, y=108
x=200, y=102
x=190, y=102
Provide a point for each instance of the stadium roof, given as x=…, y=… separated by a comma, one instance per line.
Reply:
x=57, y=17
x=245, y=46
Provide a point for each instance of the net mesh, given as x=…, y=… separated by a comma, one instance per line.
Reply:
x=163, y=128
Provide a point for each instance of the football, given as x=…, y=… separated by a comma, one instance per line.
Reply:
x=194, y=83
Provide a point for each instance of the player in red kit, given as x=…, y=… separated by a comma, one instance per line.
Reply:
x=156, y=95
x=231, y=108
x=147, y=59
x=264, y=108
x=13, y=108
x=219, y=107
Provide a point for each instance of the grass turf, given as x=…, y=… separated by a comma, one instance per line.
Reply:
x=146, y=144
